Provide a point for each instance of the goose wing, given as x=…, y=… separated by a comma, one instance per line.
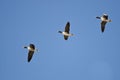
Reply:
x=67, y=27
x=103, y=23
x=30, y=54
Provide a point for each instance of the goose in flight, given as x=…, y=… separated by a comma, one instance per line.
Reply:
x=66, y=31
x=104, y=19
x=31, y=50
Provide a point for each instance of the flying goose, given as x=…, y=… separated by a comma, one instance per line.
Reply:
x=31, y=49
x=66, y=31
x=104, y=19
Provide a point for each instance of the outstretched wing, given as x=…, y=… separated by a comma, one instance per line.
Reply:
x=103, y=23
x=67, y=27
x=30, y=54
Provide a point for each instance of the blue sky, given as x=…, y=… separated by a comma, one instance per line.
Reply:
x=88, y=55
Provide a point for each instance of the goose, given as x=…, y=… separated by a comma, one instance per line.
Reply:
x=104, y=19
x=66, y=31
x=31, y=50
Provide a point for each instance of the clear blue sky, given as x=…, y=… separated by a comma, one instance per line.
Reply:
x=89, y=55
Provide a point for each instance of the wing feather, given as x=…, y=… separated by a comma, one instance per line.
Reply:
x=67, y=27
x=30, y=54
x=103, y=23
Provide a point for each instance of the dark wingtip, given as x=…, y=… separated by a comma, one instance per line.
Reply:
x=68, y=23
x=102, y=30
x=28, y=61
x=65, y=39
